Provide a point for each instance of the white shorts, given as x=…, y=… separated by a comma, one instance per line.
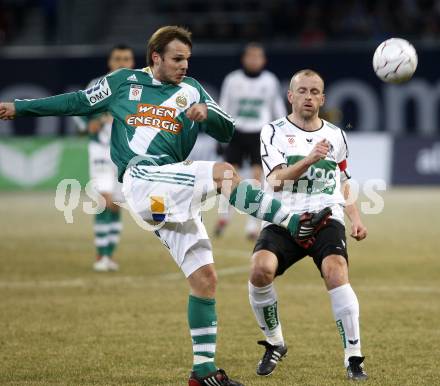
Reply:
x=169, y=193
x=188, y=244
x=103, y=171
x=171, y=196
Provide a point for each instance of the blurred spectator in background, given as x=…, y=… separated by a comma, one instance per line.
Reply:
x=252, y=96
x=103, y=171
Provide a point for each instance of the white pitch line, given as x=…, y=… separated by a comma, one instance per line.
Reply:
x=132, y=281
x=142, y=281
x=128, y=280
x=234, y=253
x=71, y=283
x=43, y=283
x=419, y=289
x=372, y=288
x=220, y=272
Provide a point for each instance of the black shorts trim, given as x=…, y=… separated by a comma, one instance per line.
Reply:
x=243, y=146
x=330, y=240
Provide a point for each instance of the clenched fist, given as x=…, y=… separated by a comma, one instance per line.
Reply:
x=197, y=112
x=319, y=151
x=358, y=231
x=7, y=110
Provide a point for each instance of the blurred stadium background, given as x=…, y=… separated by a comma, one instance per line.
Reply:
x=62, y=324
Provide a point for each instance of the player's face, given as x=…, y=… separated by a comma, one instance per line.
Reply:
x=120, y=59
x=254, y=59
x=306, y=95
x=172, y=66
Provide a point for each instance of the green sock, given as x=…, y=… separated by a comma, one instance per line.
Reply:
x=102, y=230
x=255, y=202
x=202, y=320
x=115, y=230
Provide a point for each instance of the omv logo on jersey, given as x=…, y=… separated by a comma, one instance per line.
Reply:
x=98, y=92
x=156, y=117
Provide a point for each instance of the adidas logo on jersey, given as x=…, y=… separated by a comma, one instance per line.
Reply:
x=132, y=78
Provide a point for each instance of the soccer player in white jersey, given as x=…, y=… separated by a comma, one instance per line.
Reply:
x=158, y=113
x=252, y=96
x=103, y=171
x=305, y=164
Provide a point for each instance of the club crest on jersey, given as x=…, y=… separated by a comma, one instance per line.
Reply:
x=135, y=92
x=290, y=139
x=181, y=101
x=156, y=117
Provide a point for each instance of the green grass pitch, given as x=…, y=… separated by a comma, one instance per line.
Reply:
x=62, y=324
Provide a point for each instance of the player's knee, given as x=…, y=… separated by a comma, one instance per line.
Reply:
x=334, y=270
x=203, y=281
x=262, y=274
x=209, y=281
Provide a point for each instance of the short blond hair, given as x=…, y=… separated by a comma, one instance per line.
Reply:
x=306, y=72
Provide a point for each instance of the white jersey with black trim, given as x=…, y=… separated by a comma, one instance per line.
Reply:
x=252, y=101
x=284, y=143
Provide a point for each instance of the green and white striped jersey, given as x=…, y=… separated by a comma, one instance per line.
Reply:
x=149, y=116
x=252, y=101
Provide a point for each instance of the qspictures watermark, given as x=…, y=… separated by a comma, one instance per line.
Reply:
x=68, y=198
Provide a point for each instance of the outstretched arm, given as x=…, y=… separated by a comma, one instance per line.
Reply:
x=96, y=99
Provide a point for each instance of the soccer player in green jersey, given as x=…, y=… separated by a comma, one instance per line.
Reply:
x=157, y=114
x=103, y=171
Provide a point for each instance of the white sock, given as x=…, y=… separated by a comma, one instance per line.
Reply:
x=345, y=307
x=264, y=304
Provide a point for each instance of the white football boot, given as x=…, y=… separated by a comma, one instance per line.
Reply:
x=105, y=264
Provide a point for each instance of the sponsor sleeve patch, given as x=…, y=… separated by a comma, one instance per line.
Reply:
x=99, y=92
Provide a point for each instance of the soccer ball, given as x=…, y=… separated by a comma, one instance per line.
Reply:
x=395, y=60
